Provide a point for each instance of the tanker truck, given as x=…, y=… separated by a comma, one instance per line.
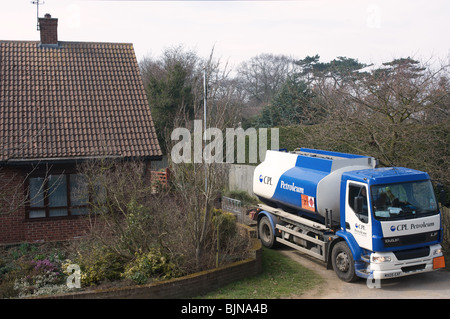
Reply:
x=359, y=219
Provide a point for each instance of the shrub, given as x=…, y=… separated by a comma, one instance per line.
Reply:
x=98, y=265
x=226, y=223
x=43, y=277
x=153, y=264
x=43, y=266
x=7, y=287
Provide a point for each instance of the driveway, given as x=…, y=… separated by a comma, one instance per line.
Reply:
x=432, y=285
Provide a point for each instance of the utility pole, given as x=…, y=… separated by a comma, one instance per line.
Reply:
x=205, y=103
x=205, y=93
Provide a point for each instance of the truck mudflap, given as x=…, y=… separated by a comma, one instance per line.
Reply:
x=388, y=264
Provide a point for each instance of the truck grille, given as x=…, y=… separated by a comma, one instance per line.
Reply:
x=412, y=253
x=410, y=239
x=413, y=268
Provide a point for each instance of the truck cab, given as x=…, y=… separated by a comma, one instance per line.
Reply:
x=391, y=221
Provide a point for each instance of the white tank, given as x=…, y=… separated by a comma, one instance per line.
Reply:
x=307, y=180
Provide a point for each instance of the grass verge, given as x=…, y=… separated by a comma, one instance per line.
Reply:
x=281, y=278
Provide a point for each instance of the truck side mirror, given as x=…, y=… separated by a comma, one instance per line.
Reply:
x=358, y=204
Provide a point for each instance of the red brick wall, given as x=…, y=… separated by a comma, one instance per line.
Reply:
x=53, y=229
x=12, y=214
x=15, y=227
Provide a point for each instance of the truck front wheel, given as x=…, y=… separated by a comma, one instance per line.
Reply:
x=266, y=232
x=343, y=262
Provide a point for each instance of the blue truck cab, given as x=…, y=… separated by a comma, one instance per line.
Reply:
x=397, y=223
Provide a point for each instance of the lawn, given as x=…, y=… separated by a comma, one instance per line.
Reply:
x=281, y=278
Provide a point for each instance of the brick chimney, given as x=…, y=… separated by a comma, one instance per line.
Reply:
x=49, y=30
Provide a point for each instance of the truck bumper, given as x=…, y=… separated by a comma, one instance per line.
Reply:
x=386, y=265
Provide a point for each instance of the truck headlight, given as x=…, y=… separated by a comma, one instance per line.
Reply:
x=437, y=251
x=381, y=259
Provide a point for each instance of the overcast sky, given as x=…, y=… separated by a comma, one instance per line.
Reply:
x=371, y=31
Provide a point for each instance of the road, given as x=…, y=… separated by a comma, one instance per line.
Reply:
x=432, y=285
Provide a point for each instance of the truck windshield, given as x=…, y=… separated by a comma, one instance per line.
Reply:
x=403, y=200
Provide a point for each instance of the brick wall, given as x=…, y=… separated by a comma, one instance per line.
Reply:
x=54, y=229
x=16, y=228
x=12, y=212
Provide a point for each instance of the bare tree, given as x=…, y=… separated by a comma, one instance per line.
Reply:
x=397, y=112
x=263, y=75
x=12, y=195
x=395, y=96
x=199, y=184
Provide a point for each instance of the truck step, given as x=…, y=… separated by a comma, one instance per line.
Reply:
x=301, y=249
x=364, y=273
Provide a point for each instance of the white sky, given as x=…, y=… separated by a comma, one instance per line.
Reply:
x=371, y=31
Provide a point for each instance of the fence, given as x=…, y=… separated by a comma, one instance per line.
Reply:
x=159, y=179
x=240, y=177
x=160, y=176
x=233, y=206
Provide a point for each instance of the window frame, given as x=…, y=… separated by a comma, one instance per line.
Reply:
x=350, y=202
x=46, y=207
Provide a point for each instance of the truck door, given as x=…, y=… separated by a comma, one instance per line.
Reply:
x=358, y=214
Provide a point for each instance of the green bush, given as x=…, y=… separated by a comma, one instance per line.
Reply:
x=99, y=265
x=225, y=222
x=153, y=264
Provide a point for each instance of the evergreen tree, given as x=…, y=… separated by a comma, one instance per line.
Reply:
x=290, y=106
x=167, y=96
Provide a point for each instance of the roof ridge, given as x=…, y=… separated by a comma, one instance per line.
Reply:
x=68, y=42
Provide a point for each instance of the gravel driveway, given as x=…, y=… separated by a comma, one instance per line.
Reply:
x=432, y=285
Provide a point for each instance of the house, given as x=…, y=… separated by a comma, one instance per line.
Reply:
x=62, y=103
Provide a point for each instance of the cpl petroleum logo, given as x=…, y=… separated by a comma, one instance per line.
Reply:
x=403, y=227
x=399, y=227
x=265, y=179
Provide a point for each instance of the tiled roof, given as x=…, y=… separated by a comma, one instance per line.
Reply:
x=75, y=101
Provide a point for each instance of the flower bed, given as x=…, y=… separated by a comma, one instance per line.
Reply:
x=35, y=270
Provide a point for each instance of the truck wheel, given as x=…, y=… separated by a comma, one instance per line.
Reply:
x=266, y=233
x=343, y=262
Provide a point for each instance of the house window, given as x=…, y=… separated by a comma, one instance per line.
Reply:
x=57, y=196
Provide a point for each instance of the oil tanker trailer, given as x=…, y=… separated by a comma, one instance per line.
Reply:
x=361, y=220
